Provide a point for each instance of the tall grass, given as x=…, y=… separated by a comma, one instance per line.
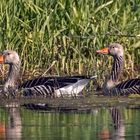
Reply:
x=70, y=31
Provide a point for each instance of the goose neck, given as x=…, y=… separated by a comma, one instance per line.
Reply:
x=13, y=75
x=117, y=68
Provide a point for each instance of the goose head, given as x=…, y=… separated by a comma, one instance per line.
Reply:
x=12, y=59
x=9, y=57
x=113, y=49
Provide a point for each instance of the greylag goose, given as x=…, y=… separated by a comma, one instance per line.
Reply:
x=111, y=87
x=45, y=86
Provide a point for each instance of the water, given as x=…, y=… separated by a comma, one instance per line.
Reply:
x=100, y=124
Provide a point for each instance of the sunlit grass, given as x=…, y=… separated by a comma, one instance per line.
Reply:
x=134, y=95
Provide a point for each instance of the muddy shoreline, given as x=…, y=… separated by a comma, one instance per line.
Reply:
x=66, y=104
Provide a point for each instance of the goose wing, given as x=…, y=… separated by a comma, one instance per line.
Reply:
x=52, y=86
x=129, y=83
x=53, y=81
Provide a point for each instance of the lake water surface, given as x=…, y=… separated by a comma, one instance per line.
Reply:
x=117, y=123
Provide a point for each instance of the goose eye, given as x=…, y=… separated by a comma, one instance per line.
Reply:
x=8, y=53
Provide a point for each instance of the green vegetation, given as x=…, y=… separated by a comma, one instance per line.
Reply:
x=70, y=31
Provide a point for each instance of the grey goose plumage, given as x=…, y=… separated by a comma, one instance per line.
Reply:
x=111, y=86
x=45, y=86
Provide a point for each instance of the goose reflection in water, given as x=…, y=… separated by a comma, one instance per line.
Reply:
x=118, y=123
x=12, y=130
x=118, y=131
x=2, y=131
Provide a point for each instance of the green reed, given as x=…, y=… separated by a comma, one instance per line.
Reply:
x=69, y=32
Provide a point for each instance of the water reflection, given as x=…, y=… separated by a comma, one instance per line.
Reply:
x=11, y=127
x=102, y=124
x=14, y=126
x=118, y=130
x=2, y=131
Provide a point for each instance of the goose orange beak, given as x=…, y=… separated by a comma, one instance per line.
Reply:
x=1, y=59
x=103, y=51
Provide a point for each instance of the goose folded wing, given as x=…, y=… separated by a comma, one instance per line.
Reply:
x=129, y=83
x=61, y=81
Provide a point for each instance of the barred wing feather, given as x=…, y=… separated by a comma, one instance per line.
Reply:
x=129, y=83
